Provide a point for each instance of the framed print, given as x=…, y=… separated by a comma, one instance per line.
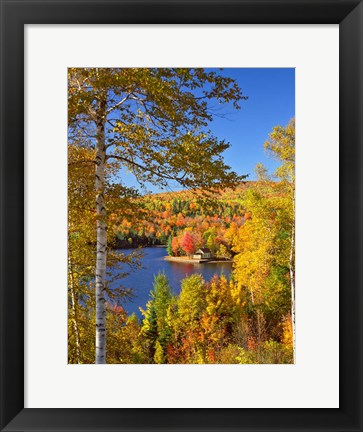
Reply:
x=211, y=334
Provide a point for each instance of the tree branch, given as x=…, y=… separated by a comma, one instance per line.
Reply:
x=118, y=104
x=145, y=169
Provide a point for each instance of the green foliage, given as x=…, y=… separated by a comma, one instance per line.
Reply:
x=155, y=325
x=169, y=247
x=205, y=325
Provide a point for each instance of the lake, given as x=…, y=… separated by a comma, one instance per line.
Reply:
x=153, y=262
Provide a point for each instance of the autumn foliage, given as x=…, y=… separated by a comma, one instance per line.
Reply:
x=246, y=319
x=188, y=243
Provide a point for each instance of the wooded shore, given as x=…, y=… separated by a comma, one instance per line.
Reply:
x=196, y=260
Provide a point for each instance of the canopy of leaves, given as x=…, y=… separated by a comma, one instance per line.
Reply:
x=156, y=121
x=281, y=145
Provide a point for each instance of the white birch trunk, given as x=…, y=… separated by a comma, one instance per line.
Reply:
x=101, y=238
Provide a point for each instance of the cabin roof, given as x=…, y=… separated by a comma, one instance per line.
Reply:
x=204, y=250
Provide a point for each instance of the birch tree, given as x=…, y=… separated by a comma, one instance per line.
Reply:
x=154, y=124
x=281, y=144
x=82, y=220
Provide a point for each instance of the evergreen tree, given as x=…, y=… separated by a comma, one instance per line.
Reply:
x=155, y=326
x=169, y=247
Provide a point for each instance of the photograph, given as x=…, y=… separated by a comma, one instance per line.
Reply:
x=181, y=215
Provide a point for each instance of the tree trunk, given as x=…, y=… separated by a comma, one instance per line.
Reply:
x=101, y=237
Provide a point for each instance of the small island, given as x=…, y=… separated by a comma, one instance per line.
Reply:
x=192, y=260
x=186, y=248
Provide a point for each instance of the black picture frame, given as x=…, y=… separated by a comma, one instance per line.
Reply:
x=14, y=15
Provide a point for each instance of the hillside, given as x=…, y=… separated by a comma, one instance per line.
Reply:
x=166, y=216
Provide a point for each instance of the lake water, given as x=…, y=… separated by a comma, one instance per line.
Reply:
x=153, y=262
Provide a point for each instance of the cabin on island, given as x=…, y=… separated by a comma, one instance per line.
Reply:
x=203, y=253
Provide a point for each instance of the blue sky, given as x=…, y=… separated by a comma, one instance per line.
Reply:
x=271, y=102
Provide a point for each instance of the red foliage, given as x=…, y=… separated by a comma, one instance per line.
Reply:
x=188, y=243
x=211, y=356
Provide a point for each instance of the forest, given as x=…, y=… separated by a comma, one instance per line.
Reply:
x=247, y=318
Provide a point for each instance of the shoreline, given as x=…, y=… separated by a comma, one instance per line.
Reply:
x=139, y=247
x=197, y=261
